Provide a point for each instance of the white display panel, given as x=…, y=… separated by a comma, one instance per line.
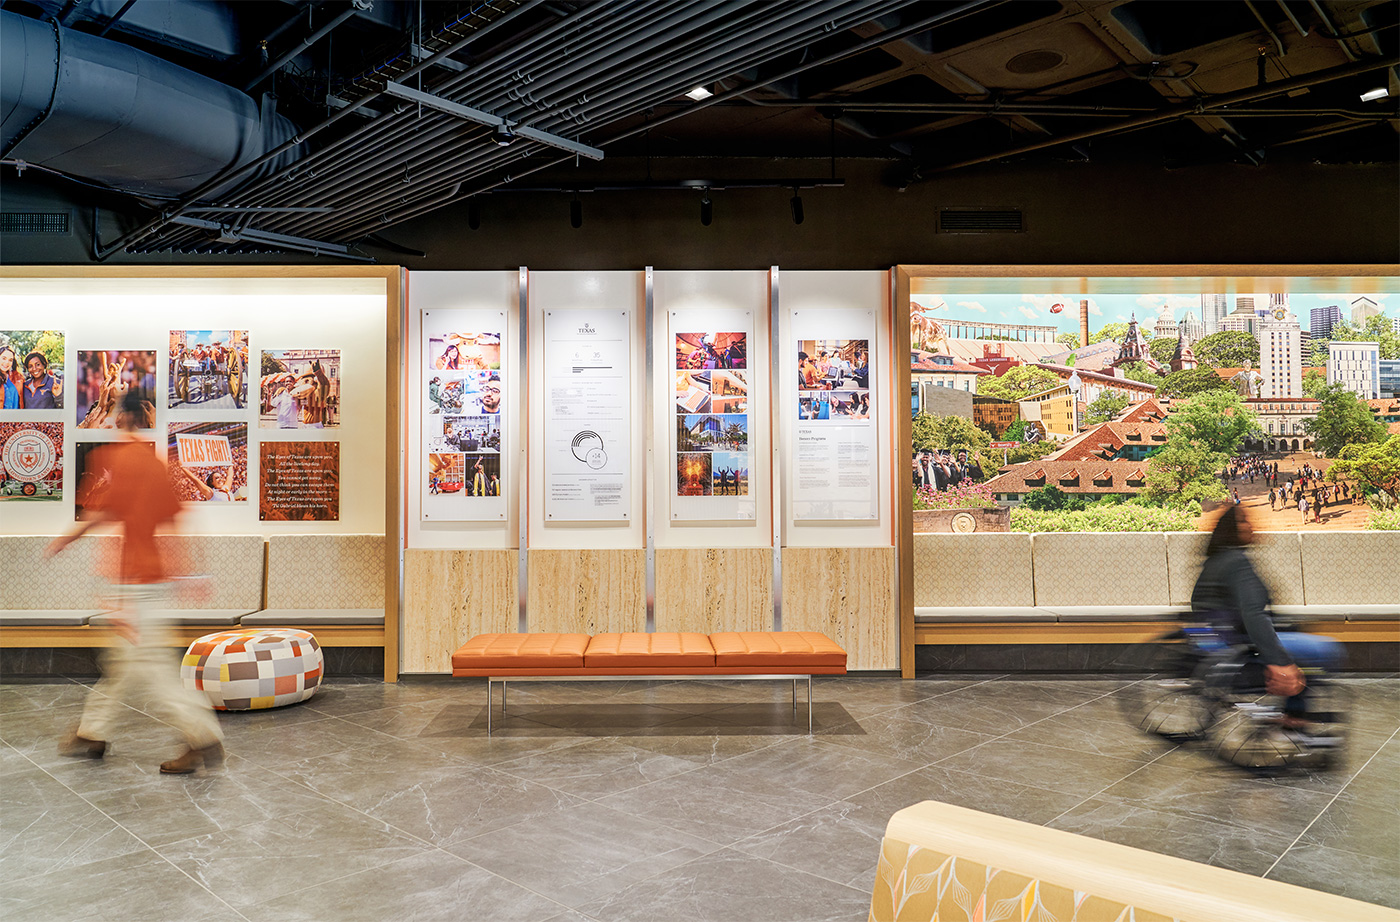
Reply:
x=463, y=444
x=709, y=371
x=587, y=409
x=835, y=469
x=590, y=294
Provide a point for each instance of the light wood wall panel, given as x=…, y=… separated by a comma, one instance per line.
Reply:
x=847, y=594
x=707, y=590
x=588, y=591
x=449, y=596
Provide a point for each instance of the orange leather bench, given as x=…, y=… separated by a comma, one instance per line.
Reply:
x=744, y=654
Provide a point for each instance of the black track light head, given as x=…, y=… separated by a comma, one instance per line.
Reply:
x=707, y=209
x=502, y=135
x=798, y=214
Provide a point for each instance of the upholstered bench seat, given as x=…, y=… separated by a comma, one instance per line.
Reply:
x=47, y=617
x=747, y=654
x=650, y=651
x=189, y=617
x=1370, y=612
x=1119, y=612
x=995, y=614
x=314, y=617
x=1311, y=612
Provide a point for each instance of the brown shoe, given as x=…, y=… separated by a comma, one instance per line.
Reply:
x=209, y=756
x=81, y=747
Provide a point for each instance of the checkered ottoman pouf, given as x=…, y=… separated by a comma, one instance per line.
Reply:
x=248, y=669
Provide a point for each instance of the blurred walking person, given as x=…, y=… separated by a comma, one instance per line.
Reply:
x=137, y=496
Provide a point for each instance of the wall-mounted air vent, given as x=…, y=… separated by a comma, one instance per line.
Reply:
x=980, y=221
x=35, y=222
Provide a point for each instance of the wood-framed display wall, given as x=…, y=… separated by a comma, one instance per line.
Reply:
x=741, y=554
x=354, y=311
x=1075, y=282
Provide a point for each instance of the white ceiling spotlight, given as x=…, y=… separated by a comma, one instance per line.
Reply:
x=700, y=93
x=1379, y=92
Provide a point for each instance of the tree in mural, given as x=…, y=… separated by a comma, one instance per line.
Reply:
x=1106, y=406
x=1192, y=381
x=1018, y=382
x=1374, y=464
x=1227, y=349
x=1342, y=420
x=1113, y=331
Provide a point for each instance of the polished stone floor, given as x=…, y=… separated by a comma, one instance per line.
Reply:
x=637, y=801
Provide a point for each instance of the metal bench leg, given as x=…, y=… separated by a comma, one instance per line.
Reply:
x=488, y=707
x=794, y=696
x=503, y=697
x=809, y=705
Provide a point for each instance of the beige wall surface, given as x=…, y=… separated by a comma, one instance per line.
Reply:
x=587, y=591
x=450, y=596
x=847, y=593
x=708, y=590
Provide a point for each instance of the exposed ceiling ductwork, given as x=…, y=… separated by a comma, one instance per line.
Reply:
x=369, y=114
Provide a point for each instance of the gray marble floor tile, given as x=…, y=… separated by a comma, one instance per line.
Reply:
x=427, y=794
x=12, y=760
x=828, y=717
x=840, y=842
x=968, y=709
x=894, y=735
x=571, y=915
x=1195, y=784
x=1369, y=878
x=261, y=861
x=721, y=806
x=703, y=748
x=340, y=699
x=430, y=887
x=1368, y=824
x=598, y=718
x=582, y=854
x=1190, y=837
x=1050, y=767
x=45, y=827
x=160, y=809
x=276, y=745
x=512, y=739
x=1023, y=802
x=1086, y=733
x=596, y=768
x=821, y=768
x=39, y=696
x=137, y=886
x=727, y=886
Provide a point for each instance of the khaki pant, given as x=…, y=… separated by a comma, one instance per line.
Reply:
x=147, y=671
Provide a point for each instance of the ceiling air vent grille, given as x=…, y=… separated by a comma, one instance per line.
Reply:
x=34, y=222
x=980, y=221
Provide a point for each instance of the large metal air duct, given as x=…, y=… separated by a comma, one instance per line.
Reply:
x=97, y=109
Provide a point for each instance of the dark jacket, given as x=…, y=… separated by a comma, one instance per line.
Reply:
x=1229, y=586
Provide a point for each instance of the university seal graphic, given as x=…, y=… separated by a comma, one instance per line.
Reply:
x=29, y=456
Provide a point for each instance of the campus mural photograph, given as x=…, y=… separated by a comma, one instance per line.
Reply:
x=1147, y=412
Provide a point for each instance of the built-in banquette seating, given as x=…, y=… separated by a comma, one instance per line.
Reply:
x=1125, y=587
x=330, y=584
x=939, y=861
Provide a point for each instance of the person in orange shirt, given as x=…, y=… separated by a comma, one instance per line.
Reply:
x=130, y=487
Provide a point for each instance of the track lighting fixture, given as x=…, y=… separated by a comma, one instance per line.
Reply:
x=1379, y=92
x=707, y=209
x=576, y=213
x=473, y=214
x=502, y=135
x=798, y=215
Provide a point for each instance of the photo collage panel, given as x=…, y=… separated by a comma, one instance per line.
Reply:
x=299, y=389
x=462, y=423
x=712, y=422
x=833, y=380
x=208, y=370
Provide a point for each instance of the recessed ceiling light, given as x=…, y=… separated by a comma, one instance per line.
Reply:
x=1379, y=92
x=699, y=93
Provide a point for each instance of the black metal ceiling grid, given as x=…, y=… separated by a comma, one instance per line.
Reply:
x=928, y=86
